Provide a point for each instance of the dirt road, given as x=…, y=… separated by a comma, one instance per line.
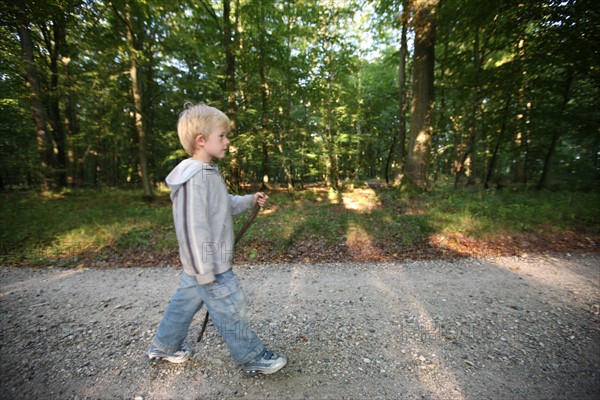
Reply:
x=466, y=329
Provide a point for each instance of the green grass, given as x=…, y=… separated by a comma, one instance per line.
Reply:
x=39, y=228
x=484, y=214
x=64, y=228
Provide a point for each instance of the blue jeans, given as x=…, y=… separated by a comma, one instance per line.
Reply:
x=226, y=304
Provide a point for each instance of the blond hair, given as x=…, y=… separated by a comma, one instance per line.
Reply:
x=195, y=120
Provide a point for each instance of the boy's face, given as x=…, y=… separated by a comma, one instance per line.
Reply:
x=217, y=143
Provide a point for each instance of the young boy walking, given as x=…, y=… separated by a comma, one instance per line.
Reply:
x=202, y=211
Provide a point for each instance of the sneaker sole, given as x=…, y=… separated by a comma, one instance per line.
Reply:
x=272, y=370
x=166, y=359
x=169, y=359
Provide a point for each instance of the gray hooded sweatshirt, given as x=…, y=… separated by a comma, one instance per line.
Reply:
x=202, y=212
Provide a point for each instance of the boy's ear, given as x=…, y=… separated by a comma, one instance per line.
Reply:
x=199, y=141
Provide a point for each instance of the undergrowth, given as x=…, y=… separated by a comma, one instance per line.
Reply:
x=99, y=225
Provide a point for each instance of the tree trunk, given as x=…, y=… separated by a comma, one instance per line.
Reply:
x=137, y=104
x=333, y=175
x=230, y=39
x=488, y=176
x=469, y=159
x=422, y=102
x=526, y=145
x=388, y=160
x=56, y=51
x=148, y=88
x=71, y=119
x=285, y=124
x=521, y=137
x=442, y=114
x=358, y=159
x=468, y=163
x=33, y=85
x=228, y=44
x=474, y=108
x=556, y=134
x=400, y=159
x=264, y=98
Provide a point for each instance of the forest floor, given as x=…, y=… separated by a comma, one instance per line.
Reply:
x=469, y=328
x=116, y=228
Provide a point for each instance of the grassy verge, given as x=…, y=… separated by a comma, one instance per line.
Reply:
x=65, y=228
x=116, y=228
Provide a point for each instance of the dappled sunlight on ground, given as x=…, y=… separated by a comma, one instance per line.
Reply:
x=360, y=244
x=269, y=209
x=361, y=200
x=27, y=284
x=432, y=372
x=297, y=285
x=50, y=195
x=462, y=244
x=562, y=276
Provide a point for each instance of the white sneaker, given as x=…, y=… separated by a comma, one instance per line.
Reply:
x=176, y=358
x=265, y=363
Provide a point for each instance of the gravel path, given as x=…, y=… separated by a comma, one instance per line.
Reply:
x=466, y=329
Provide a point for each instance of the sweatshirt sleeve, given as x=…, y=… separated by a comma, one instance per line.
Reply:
x=200, y=232
x=239, y=204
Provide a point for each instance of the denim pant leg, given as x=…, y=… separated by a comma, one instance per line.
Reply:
x=176, y=321
x=226, y=304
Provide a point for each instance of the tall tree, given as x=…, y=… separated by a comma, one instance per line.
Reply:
x=55, y=39
x=468, y=160
x=284, y=129
x=230, y=43
x=33, y=83
x=417, y=166
x=557, y=130
x=265, y=93
x=134, y=49
x=521, y=140
x=404, y=20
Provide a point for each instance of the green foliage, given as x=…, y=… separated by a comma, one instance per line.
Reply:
x=316, y=89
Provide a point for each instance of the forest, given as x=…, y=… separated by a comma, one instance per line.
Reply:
x=486, y=93
x=433, y=173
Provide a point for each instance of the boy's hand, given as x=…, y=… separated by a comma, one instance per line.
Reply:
x=260, y=198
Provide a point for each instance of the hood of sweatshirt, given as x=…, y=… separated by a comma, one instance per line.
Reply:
x=184, y=171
